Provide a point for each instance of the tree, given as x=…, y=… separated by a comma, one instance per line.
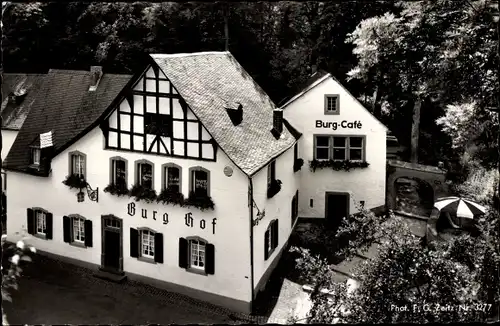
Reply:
x=428, y=281
x=428, y=54
x=17, y=254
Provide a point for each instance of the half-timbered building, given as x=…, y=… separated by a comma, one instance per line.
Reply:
x=184, y=175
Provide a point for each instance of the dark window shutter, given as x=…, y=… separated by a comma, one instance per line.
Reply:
x=134, y=243
x=210, y=259
x=66, y=229
x=159, y=248
x=274, y=234
x=266, y=245
x=88, y=233
x=31, y=221
x=50, y=225
x=183, y=253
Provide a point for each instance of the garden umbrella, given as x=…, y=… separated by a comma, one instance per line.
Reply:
x=459, y=206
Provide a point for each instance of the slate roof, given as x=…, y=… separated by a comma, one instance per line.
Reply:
x=64, y=106
x=18, y=94
x=209, y=82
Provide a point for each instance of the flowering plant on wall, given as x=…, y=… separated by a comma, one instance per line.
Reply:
x=336, y=165
x=142, y=193
x=75, y=181
x=297, y=165
x=171, y=196
x=117, y=189
x=273, y=188
x=201, y=202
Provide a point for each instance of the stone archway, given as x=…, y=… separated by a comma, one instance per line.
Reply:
x=430, y=175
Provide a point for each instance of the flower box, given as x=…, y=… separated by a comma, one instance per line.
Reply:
x=75, y=181
x=337, y=165
x=117, y=190
x=273, y=188
x=143, y=194
x=201, y=202
x=297, y=165
x=169, y=196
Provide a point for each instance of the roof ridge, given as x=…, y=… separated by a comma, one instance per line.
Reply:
x=173, y=55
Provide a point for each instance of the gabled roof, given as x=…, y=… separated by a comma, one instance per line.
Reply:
x=64, y=106
x=317, y=79
x=313, y=80
x=18, y=95
x=209, y=82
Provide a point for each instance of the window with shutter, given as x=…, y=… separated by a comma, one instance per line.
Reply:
x=183, y=253
x=270, y=239
x=134, y=243
x=147, y=244
x=158, y=245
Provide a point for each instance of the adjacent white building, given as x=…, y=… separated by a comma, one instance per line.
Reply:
x=186, y=175
x=343, y=147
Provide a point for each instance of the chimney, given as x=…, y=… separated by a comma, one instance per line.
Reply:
x=96, y=74
x=236, y=115
x=278, y=120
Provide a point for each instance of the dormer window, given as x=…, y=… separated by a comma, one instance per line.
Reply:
x=332, y=104
x=35, y=156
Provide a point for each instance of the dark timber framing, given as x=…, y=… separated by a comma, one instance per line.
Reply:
x=144, y=94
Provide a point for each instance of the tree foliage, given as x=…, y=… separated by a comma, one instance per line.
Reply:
x=408, y=281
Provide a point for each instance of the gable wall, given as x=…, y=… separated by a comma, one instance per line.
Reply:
x=362, y=184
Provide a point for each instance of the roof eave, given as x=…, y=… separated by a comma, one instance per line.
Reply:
x=307, y=89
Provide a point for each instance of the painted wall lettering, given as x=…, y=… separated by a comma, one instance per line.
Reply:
x=131, y=209
x=335, y=125
x=188, y=217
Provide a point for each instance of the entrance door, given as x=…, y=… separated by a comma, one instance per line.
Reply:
x=337, y=207
x=111, y=249
x=111, y=257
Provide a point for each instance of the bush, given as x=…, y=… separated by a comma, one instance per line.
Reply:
x=20, y=252
x=75, y=181
x=169, y=196
x=142, y=193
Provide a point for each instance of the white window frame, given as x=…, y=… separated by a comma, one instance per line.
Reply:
x=80, y=166
x=78, y=229
x=147, y=238
x=197, y=249
x=347, y=147
x=36, y=155
x=39, y=214
x=329, y=99
x=362, y=148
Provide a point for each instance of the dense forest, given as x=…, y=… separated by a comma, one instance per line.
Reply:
x=427, y=69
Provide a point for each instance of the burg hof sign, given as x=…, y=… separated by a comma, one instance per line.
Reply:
x=188, y=217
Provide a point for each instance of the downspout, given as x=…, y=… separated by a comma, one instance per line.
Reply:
x=250, y=203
